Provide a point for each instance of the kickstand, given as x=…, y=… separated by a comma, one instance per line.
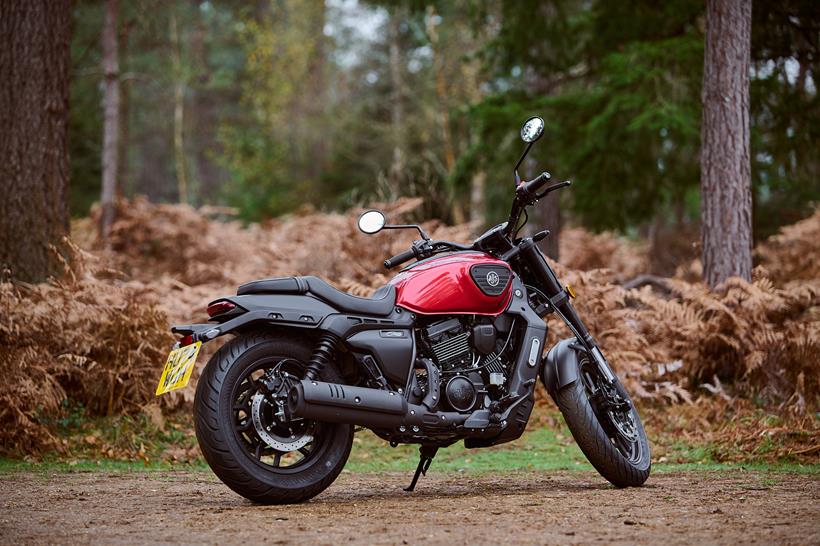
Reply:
x=426, y=454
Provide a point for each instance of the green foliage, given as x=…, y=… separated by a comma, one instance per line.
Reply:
x=785, y=110
x=85, y=115
x=267, y=154
x=630, y=138
x=260, y=187
x=290, y=102
x=622, y=105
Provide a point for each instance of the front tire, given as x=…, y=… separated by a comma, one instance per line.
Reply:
x=246, y=443
x=623, y=459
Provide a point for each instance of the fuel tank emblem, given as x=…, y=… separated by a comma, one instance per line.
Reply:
x=492, y=278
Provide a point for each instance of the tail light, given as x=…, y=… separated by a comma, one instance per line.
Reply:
x=220, y=307
x=187, y=340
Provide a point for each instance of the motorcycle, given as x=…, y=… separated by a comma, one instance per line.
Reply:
x=449, y=350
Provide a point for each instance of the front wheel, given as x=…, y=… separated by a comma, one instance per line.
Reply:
x=244, y=432
x=606, y=426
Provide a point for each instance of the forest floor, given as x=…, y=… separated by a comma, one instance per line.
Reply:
x=692, y=507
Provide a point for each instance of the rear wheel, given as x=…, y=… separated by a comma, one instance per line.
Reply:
x=606, y=426
x=244, y=433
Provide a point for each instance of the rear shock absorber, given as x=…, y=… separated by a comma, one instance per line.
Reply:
x=322, y=354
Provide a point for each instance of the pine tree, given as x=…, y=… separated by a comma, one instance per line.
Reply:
x=34, y=69
x=726, y=193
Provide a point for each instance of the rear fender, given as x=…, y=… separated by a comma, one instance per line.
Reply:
x=299, y=311
x=560, y=367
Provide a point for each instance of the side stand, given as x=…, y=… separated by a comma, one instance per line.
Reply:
x=426, y=454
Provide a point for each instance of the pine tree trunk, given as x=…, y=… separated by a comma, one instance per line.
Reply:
x=477, y=190
x=35, y=60
x=125, y=108
x=547, y=215
x=443, y=109
x=726, y=196
x=111, y=116
x=179, y=113
x=396, y=174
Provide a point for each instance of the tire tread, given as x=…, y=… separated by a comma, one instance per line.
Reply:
x=594, y=442
x=213, y=440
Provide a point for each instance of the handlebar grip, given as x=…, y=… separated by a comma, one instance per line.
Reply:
x=536, y=183
x=399, y=259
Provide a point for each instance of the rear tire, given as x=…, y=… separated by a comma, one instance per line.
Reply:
x=224, y=443
x=598, y=444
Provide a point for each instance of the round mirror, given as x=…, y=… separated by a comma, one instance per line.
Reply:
x=532, y=129
x=371, y=221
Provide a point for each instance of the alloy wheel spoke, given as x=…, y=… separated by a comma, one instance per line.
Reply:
x=245, y=426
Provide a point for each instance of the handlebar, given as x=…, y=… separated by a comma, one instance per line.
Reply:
x=526, y=194
x=536, y=183
x=399, y=259
x=424, y=249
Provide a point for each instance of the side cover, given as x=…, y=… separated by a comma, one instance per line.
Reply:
x=394, y=350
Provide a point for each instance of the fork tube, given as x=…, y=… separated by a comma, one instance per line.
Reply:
x=552, y=287
x=549, y=281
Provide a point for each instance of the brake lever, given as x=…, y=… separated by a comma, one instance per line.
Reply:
x=554, y=187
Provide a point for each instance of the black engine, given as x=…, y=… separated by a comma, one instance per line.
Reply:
x=472, y=360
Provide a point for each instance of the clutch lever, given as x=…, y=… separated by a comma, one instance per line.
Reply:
x=554, y=187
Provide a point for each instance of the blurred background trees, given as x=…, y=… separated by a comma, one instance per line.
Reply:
x=274, y=105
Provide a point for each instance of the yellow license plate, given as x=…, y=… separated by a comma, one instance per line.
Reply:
x=178, y=368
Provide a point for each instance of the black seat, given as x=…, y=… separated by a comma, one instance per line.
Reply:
x=382, y=303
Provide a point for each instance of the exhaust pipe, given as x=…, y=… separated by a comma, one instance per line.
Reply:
x=360, y=406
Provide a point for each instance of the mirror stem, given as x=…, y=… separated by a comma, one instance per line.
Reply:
x=515, y=169
x=405, y=226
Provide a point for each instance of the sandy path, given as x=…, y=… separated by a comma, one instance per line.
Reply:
x=576, y=507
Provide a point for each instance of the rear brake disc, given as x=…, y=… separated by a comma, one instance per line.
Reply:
x=278, y=436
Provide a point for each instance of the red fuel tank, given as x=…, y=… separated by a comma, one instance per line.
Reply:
x=467, y=283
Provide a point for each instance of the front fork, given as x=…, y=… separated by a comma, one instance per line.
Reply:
x=559, y=301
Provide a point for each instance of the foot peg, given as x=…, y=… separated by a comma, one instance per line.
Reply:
x=426, y=454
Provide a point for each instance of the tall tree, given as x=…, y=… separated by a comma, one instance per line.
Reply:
x=111, y=119
x=726, y=193
x=396, y=173
x=179, y=111
x=547, y=213
x=34, y=68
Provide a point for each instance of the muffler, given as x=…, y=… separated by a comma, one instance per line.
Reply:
x=335, y=403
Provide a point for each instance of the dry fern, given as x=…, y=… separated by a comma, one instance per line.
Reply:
x=80, y=338
x=99, y=334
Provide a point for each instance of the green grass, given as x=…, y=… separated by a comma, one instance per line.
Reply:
x=48, y=465
x=539, y=449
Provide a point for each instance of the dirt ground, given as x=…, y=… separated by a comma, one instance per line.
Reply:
x=546, y=508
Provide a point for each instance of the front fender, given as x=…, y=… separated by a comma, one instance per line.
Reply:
x=560, y=366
